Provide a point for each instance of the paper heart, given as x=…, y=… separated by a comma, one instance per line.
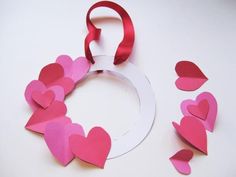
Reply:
x=41, y=117
x=209, y=122
x=190, y=76
x=75, y=70
x=181, y=161
x=57, y=135
x=39, y=86
x=43, y=99
x=200, y=110
x=53, y=74
x=94, y=148
x=193, y=132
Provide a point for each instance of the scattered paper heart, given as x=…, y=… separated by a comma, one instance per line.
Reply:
x=75, y=70
x=190, y=76
x=200, y=110
x=209, y=121
x=38, y=86
x=181, y=161
x=57, y=135
x=193, y=131
x=41, y=117
x=92, y=149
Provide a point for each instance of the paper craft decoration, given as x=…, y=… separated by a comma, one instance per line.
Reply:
x=57, y=135
x=94, y=148
x=190, y=76
x=181, y=161
x=193, y=131
x=203, y=108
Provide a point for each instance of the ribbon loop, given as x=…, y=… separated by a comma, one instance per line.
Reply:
x=126, y=45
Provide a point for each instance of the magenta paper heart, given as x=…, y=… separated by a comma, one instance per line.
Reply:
x=181, y=161
x=190, y=76
x=210, y=119
x=39, y=86
x=41, y=117
x=200, y=110
x=53, y=74
x=43, y=99
x=75, y=70
x=57, y=135
x=94, y=148
x=193, y=132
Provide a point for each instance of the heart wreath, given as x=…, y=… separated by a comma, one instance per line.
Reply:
x=67, y=140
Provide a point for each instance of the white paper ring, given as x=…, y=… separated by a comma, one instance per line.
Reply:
x=141, y=129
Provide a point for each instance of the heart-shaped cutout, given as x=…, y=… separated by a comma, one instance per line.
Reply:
x=57, y=135
x=41, y=117
x=39, y=86
x=192, y=130
x=92, y=149
x=190, y=76
x=76, y=69
x=181, y=161
x=43, y=99
x=200, y=110
x=53, y=74
x=209, y=121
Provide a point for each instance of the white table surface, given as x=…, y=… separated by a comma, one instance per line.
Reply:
x=34, y=33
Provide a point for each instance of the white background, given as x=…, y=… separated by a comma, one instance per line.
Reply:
x=34, y=33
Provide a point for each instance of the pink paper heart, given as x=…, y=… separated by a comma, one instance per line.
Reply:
x=39, y=86
x=190, y=76
x=53, y=74
x=209, y=122
x=94, y=148
x=56, y=136
x=43, y=99
x=181, y=161
x=41, y=117
x=75, y=70
x=193, y=132
x=200, y=110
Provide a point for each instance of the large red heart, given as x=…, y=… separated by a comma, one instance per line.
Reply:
x=53, y=74
x=190, y=76
x=41, y=117
x=200, y=110
x=193, y=131
x=43, y=99
x=94, y=149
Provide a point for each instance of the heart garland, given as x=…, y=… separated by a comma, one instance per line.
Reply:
x=199, y=115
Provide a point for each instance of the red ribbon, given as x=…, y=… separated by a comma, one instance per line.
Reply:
x=126, y=45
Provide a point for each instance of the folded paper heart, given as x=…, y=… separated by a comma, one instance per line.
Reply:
x=181, y=161
x=57, y=135
x=41, y=117
x=209, y=116
x=38, y=86
x=190, y=76
x=74, y=69
x=43, y=99
x=92, y=149
x=53, y=74
x=193, y=132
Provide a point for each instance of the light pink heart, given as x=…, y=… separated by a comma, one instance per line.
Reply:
x=209, y=122
x=56, y=136
x=181, y=161
x=76, y=69
x=39, y=86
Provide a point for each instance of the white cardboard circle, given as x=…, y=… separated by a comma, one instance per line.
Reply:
x=144, y=123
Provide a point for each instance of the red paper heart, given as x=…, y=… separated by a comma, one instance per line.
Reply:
x=94, y=148
x=190, y=76
x=41, y=117
x=193, y=131
x=201, y=110
x=53, y=74
x=43, y=99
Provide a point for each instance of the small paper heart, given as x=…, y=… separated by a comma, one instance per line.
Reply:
x=200, y=110
x=43, y=99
